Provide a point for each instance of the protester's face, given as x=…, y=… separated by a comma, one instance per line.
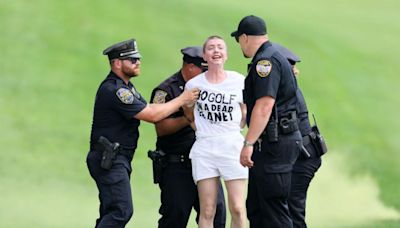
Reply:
x=130, y=67
x=215, y=52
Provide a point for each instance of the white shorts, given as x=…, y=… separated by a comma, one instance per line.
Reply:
x=228, y=169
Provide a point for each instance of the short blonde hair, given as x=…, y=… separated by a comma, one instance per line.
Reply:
x=211, y=38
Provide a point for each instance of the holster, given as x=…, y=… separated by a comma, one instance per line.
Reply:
x=110, y=151
x=285, y=125
x=158, y=163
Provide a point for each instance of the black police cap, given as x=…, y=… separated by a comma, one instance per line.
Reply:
x=250, y=25
x=194, y=54
x=293, y=58
x=123, y=50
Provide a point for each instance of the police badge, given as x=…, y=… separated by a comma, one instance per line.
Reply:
x=263, y=68
x=125, y=95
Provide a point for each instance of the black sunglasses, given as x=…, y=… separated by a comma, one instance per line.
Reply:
x=237, y=37
x=133, y=60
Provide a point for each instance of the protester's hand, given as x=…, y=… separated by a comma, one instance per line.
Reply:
x=190, y=97
x=245, y=156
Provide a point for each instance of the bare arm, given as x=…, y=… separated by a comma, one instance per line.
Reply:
x=190, y=115
x=155, y=112
x=171, y=125
x=244, y=113
x=259, y=117
x=258, y=121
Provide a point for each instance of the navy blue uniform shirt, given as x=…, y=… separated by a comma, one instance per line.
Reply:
x=115, y=106
x=270, y=74
x=181, y=141
x=302, y=114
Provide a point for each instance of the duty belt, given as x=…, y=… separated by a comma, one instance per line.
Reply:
x=100, y=148
x=307, y=138
x=177, y=158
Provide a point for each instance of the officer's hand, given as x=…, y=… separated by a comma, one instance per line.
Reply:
x=245, y=156
x=190, y=96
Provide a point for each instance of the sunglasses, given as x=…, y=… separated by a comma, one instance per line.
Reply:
x=237, y=37
x=132, y=60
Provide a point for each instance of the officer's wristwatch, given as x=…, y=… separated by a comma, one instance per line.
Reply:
x=247, y=143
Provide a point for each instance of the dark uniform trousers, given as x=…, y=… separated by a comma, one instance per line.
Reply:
x=269, y=182
x=302, y=174
x=179, y=194
x=116, y=207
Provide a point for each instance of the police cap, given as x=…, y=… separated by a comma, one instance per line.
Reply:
x=293, y=58
x=123, y=50
x=194, y=54
x=250, y=25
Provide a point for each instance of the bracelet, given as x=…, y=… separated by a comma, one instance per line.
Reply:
x=247, y=143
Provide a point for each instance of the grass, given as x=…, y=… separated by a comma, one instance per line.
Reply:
x=52, y=65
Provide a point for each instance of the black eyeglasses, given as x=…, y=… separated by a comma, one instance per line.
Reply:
x=133, y=60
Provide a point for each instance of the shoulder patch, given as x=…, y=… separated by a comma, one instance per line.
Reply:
x=159, y=97
x=263, y=68
x=125, y=95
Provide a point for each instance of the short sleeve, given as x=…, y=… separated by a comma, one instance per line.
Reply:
x=160, y=96
x=267, y=75
x=125, y=102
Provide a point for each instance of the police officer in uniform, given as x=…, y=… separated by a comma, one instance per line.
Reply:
x=309, y=160
x=118, y=110
x=271, y=145
x=175, y=138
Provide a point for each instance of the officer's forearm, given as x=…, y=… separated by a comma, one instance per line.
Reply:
x=259, y=118
x=171, y=125
x=155, y=112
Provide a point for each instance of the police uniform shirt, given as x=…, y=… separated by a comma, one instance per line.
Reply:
x=302, y=114
x=181, y=141
x=270, y=76
x=115, y=106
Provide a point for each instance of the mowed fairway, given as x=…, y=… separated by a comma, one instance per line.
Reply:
x=51, y=66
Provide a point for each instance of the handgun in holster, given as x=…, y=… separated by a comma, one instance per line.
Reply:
x=109, y=153
x=158, y=160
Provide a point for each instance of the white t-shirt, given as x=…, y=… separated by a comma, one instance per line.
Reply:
x=217, y=113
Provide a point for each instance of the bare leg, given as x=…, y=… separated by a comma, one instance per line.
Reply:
x=236, y=194
x=208, y=191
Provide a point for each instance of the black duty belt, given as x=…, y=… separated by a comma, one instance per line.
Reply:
x=177, y=158
x=100, y=148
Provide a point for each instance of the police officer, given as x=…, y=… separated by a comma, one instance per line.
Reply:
x=118, y=109
x=309, y=160
x=271, y=145
x=175, y=138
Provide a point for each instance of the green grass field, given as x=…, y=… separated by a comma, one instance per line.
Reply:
x=51, y=66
